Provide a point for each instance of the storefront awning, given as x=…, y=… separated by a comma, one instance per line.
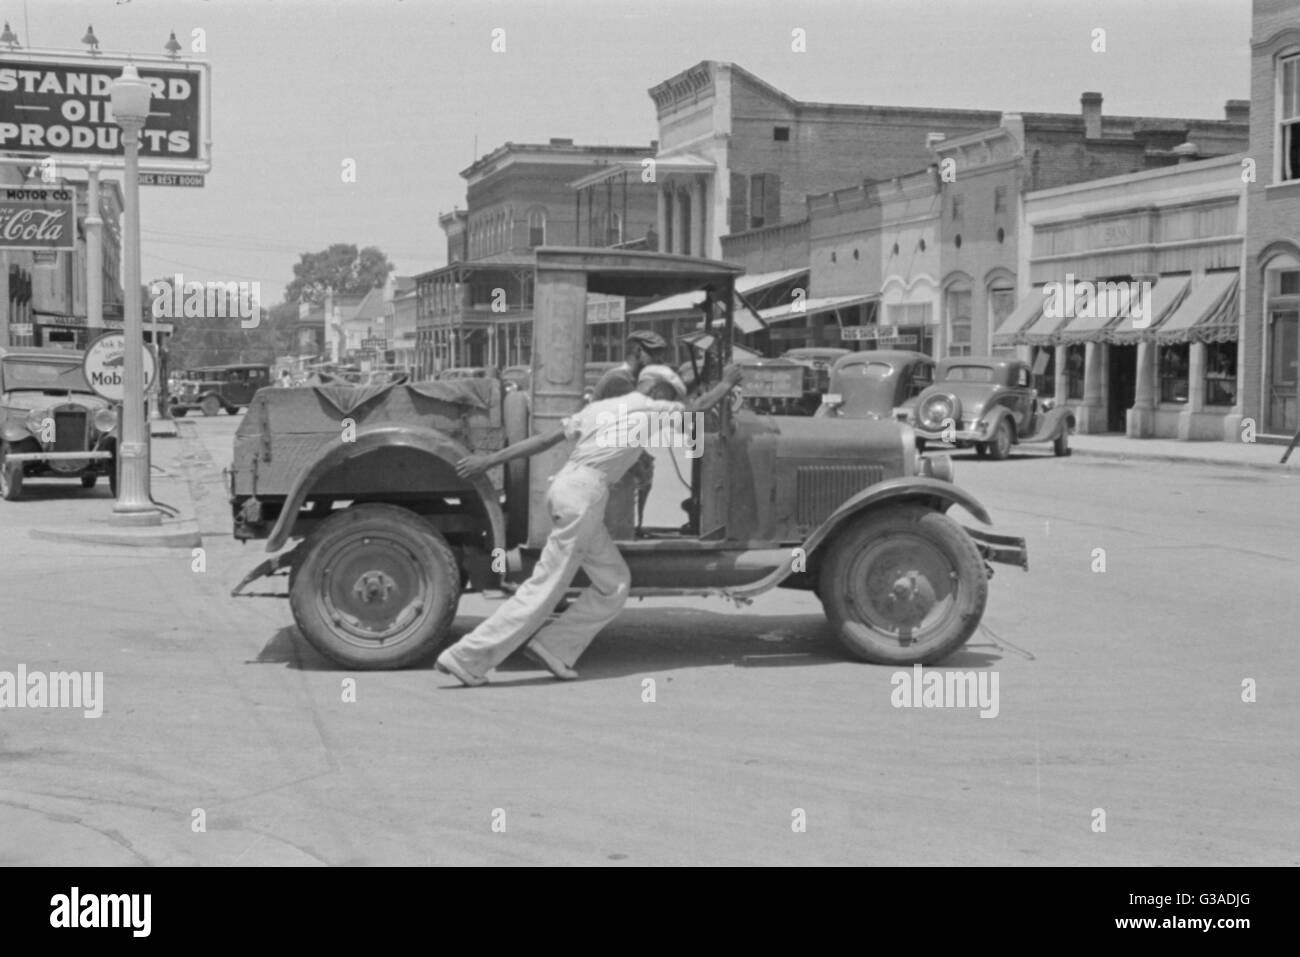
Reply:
x=1167, y=293
x=688, y=303
x=704, y=341
x=1045, y=329
x=1208, y=314
x=811, y=307
x=1103, y=312
x=1026, y=312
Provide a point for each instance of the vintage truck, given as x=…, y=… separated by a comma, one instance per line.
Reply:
x=356, y=496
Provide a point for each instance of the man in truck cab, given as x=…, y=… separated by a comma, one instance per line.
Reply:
x=577, y=497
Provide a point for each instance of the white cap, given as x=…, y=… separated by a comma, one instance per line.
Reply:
x=660, y=373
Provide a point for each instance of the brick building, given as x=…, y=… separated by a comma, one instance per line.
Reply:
x=477, y=310
x=1271, y=334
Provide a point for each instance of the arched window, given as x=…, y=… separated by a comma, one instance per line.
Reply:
x=957, y=313
x=537, y=228
x=1001, y=300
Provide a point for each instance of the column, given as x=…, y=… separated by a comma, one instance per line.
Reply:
x=699, y=243
x=1140, y=421
x=1194, y=411
x=679, y=226
x=661, y=219
x=1061, y=376
x=1092, y=414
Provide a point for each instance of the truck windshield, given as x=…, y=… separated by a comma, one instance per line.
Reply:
x=38, y=375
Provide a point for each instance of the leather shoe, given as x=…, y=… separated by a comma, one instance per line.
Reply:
x=554, y=665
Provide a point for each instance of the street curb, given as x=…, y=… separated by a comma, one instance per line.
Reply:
x=1184, y=460
x=183, y=534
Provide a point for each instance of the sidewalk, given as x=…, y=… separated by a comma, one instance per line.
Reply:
x=84, y=516
x=1251, y=455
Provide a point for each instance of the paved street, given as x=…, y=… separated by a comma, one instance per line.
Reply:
x=1119, y=690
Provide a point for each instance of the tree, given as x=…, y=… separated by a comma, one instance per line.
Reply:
x=341, y=268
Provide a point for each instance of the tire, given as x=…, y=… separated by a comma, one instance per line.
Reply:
x=1000, y=445
x=920, y=444
x=514, y=416
x=11, y=476
x=88, y=481
x=904, y=546
x=413, y=579
x=981, y=450
x=112, y=475
x=178, y=411
x=210, y=405
x=1061, y=446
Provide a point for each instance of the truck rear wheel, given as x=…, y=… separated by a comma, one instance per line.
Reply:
x=903, y=586
x=377, y=587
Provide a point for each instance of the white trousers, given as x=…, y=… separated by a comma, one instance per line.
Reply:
x=578, y=539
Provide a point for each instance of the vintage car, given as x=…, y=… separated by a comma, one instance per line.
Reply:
x=876, y=384
x=516, y=377
x=51, y=424
x=988, y=402
x=379, y=536
x=213, y=389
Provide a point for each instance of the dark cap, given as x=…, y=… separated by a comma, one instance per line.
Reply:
x=649, y=341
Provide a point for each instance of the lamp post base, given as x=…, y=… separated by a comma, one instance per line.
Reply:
x=135, y=516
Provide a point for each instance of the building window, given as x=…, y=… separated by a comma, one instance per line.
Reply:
x=781, y=134
x=1221, y=373
x=908, y=314
x=832, y=256
x=1075, y=363
x=957, y=241
x=1288, y=133
x=1043, y=364
x=1002, y=301
x=1002, y=235
x=921, y=245
x=999, y=199
x=537, y=228
x=764, y=200
x=956, y=208
x=959, y=324
x=1173, y=363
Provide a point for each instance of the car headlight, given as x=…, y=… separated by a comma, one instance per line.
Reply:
x=105, y=420
x=936, y=410
x=35, y=419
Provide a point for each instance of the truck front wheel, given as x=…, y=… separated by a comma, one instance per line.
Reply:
x=377, y=587
x=903, y=586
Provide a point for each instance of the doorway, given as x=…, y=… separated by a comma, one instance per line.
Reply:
x=1284, y=352
x=1121, y=369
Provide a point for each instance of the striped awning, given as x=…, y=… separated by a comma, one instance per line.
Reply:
x=811, y=307
x=1046, y=329
x=1026, y=312
x=1166, y=294
x=1110, y=306
x=1208, y=314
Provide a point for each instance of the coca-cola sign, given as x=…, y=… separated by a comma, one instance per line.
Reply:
x=37, y=217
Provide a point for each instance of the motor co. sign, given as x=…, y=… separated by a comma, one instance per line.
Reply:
x=33, y=217
x=63, y=107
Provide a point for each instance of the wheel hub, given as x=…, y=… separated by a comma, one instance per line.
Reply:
x=374, y=586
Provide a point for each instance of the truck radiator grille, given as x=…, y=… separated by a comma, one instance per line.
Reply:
x=69, y=430
x=820, y=489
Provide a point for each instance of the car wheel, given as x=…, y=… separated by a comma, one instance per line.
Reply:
x=903, y=586
x=11, y=476
x=1000, y=445
x=1062, y=444
x=920, y=445
x=377, y=587
x=981, y=450
x=178, y=412
x=210, y=405
x=88, y=481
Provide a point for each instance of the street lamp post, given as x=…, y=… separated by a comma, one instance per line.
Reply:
x=130, y=98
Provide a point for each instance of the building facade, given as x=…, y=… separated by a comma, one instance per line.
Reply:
x=1271, y=333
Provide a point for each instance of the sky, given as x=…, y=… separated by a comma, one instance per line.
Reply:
x=411, y=91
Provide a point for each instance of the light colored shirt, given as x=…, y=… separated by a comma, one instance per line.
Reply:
x=610, y=434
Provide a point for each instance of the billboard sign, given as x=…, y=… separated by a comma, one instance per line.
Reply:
x=38, y=217
x=60, y=104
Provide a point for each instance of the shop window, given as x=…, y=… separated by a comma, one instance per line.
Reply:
x=1043, y=364
x=537, y=228
x=1076, y=357
x=1288, y=117
x=1173, y=364
x=958, y=307
x=781, y=134
x=1221, y=373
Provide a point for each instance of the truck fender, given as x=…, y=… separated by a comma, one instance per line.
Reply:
x=942, y=495
x=425, y=440
x=14, y=431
